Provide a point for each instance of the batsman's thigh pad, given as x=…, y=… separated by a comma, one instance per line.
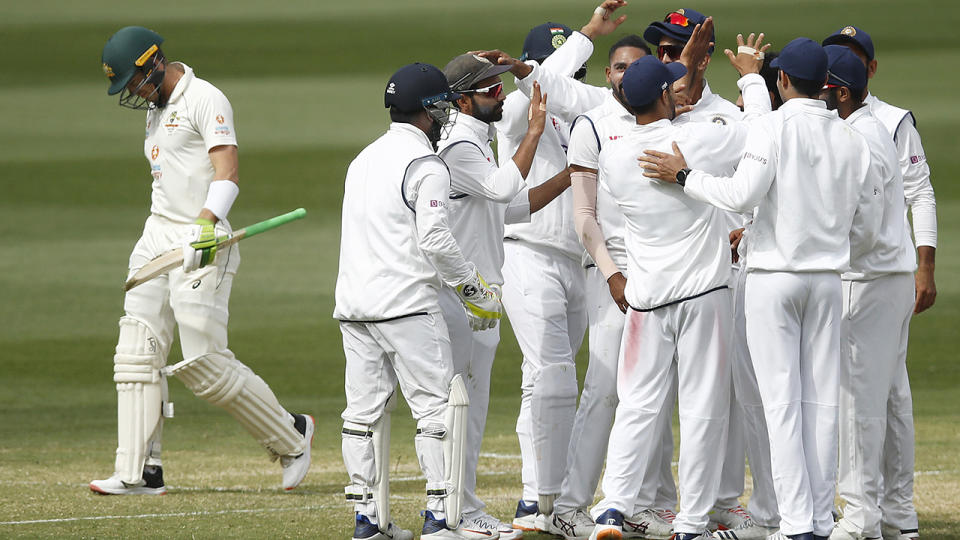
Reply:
x=140, y=394
x=229, y=384
x=553, y=407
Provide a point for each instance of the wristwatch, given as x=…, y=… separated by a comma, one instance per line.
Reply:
x=682, y=176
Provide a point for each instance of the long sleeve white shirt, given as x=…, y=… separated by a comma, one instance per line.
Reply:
x=480, y=194
x=803, y=169
x=395, y=243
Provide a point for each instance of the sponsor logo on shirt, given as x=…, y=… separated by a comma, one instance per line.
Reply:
x=221, y=130
x=917, y=159
x=154, y=152
x=155, y=171
x=172, y=123
x=436, y=204
x=755, y=157
x=614, y=137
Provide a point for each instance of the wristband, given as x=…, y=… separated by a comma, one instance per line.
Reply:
x=751, y=51
x=220, y=197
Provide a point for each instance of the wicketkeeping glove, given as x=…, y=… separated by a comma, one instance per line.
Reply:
x=481, y=302
x=200, y=245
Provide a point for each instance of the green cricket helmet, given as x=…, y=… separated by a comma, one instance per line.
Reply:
x=133, y=49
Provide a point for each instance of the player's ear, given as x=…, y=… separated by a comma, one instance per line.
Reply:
x=464, y=105
x=871, y=69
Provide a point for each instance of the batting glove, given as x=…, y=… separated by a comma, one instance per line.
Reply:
x=200, y=245
x=481, y=302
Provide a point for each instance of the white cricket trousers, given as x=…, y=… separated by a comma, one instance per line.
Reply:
x=896, y=498
x=598, y=403
x=876, y=323
x=698, y=331
x=543, y=294
x=793, y=330
x=747, y=428
x=473, y=355
x=414, y=351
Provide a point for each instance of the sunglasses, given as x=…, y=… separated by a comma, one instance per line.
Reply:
x=674, y=51
x=492, y=91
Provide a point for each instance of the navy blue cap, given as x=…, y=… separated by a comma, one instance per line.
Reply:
x=678, y=25
x=852, y=34
x=543, y=39
x=647, y=77
x=802, y=58
x=844, y=68
x=416, y=86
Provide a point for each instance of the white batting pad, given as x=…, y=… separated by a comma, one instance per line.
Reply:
x=231, y=385
x=453, y=445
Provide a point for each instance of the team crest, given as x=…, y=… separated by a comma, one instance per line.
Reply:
x=849, y=31
x=108, y=71
x=719, y=120
x=558, y=38
x=219, y=118
x=154, y=152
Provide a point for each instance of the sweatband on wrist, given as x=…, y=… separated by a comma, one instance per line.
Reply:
x=220, y=197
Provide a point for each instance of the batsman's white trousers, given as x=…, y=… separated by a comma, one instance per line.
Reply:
x=876, y=323
x=896, y=498
x=543, y=294
x=598, y=403
x=698, y=331
x=473, y=354
x=748, y=428
x=793, y=330
x=414, y=351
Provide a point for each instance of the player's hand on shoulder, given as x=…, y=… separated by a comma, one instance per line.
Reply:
x=199, y=245
x=481, y=302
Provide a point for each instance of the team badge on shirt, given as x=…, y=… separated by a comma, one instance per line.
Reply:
x=719, y=120
x=222, y=129
x=154, y=152
x=173, y=122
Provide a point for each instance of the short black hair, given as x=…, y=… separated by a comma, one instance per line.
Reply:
x=769, y=75
x=805, y=86
x=403, y=117
x=631, y=40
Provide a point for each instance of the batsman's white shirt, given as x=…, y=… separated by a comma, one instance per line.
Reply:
x=664, y=228
x=179, y=136
x=395, y=239
x=797, y=227
x=481, y=195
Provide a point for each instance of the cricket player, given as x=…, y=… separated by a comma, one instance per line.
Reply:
x=543, y=281
x=396, y=250
x=480, y=204
x=804, y=170
x=669, y=36
x=878, y=300
x=191, y=147
x=899, y=516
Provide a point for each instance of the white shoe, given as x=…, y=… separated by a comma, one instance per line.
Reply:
x=777, y=536
x=485, y=526
x=647, y=524
x=150, y=484
x=736, y=524
x=573, y=525
x=526, y=516
x=891, y=532
x=295, y=467
x=666, y=514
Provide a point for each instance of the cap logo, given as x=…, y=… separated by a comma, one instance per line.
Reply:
x=392, y=89
x=558, y=40
x=663, y=86
x=146, y=56
x=680, y=11
x=108, y=71
x=849, y=31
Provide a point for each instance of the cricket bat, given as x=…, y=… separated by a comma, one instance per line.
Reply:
x=174, y=258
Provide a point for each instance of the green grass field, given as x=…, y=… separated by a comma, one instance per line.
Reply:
x=306, y=81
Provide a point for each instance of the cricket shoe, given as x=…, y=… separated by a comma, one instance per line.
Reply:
x=488, y=527
x=436, y=529
x=609, y=526
x=844, y=530
x=526, y=517
x=891, y=532
x=804, y=536
x=366, y=530
x=666, y=514
x=736, y=524
x=691, y=536
x=573, y=525
x=295, y=467
x=647, y=524
x=150, y=484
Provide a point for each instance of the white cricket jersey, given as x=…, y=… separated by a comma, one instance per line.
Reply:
x=178, y=139
x=893, y=250
x=394, y=237
x=607, y=122
x=803, y=168
x=479, y=194
x=917, y=188
x=553, y=225
x=677, y=248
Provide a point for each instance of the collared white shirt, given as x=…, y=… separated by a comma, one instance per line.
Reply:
x=178, y=139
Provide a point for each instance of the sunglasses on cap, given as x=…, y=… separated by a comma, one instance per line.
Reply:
x=843, y=82
x=678, y=19
x=492, y=91
x=673, y=50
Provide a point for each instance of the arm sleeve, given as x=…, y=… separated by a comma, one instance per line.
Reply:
x=518, y=211
x=756, y=98
x=584, y=146
x=747, y=186
x=916, y=184
x=427, y=191
x=214, y=120
x=584, y=187
x=472, y=174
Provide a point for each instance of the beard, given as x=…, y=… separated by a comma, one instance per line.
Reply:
x=435, y=133
x=491, y=114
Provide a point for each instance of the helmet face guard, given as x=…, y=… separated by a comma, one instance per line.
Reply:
x=441, y=110
x=147, y=66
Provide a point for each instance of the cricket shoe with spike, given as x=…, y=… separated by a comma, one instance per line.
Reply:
x=483, y=526
x=295, y=467
x=892, y=532
x=366, y=530
x=609, y=526
x=647, y=524
x=436, y=529
x=150, y=484
x=736, y=524
x=573, y=525
x=526, y=516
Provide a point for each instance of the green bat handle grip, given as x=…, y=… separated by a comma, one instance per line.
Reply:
x=266, y=225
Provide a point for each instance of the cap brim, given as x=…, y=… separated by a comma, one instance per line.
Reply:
x=676, y=70
x=494, y=70
x=842, y=39
x=775, y=63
